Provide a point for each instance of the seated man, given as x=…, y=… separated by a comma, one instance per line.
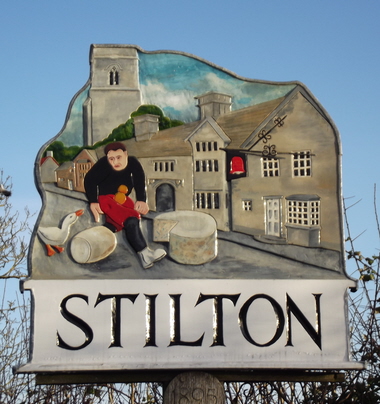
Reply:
x=116, y=172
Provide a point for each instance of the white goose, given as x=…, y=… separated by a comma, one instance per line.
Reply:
x=56, y=236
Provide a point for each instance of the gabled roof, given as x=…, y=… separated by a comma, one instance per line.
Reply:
x=166, y=143
x=44, y=159
x=91, y=154
x=239, y=125
x=210, y=121
x=65, y=165
x=250, y=141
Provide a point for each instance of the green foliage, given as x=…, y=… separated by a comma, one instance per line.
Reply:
x=62, y=153
x=147, y=109
x=124, y=131
x=163, y=123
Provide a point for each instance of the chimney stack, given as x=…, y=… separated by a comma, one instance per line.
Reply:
x=145, y=126
x=214, y=104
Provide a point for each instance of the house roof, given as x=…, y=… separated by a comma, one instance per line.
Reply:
x=236, y=125
x=239, y=125
x=169, y=142
x=65, y=165
x=86, y=153
x=48, y=158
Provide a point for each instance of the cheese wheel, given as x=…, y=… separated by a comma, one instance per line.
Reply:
x=192, y=236
x=92, y=245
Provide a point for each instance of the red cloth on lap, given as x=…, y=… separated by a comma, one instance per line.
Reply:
x=115, y=212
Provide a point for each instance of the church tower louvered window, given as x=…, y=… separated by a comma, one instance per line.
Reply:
x=113, y=77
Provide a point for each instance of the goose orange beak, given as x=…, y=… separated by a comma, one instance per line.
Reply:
x=79, y=212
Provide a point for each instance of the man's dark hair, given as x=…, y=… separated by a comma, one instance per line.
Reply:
x=114, y=146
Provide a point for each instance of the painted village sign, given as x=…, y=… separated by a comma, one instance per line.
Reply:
x=209, y=237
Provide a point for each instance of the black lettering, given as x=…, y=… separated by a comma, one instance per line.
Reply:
x=279, y=323
x=71, y=318
x=175, y=338
x=218, y=331
x=150, y=339
x=315, y=334
x=115, y=315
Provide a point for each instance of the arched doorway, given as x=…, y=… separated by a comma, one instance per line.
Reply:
x=165, y=198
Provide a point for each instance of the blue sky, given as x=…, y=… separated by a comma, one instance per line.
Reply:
x=330, y=46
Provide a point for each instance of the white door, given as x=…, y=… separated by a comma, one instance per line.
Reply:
x=273, y=217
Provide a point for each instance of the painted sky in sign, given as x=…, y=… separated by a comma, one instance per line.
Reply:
x=72, y=133
x=171, y=81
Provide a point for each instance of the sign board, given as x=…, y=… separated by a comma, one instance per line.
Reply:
x=192, y=219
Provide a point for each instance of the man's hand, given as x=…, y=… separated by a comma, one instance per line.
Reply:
x=96, y=211
x=142, y=207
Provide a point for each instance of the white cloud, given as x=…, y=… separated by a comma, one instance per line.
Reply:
x=244, y=93
x=158, y=94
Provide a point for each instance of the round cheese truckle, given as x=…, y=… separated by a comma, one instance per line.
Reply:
x=92, y=245
x=192, y=236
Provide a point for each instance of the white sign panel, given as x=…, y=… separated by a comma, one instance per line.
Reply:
x=167, y=324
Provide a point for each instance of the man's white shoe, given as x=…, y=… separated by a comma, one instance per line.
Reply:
x=149, y=257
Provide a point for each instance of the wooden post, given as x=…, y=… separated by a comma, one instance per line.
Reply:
x=194, y=388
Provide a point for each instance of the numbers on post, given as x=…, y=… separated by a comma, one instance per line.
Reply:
x=194, y=388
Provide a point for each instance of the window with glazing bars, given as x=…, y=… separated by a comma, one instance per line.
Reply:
x=163, y=165
x=206, y=165
x=206, y=146
x=207, y=200
x=303, y=213
x=247, y=204
x=302, y=164
x=270, y=167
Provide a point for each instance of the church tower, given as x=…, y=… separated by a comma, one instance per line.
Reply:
x=114, y=93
